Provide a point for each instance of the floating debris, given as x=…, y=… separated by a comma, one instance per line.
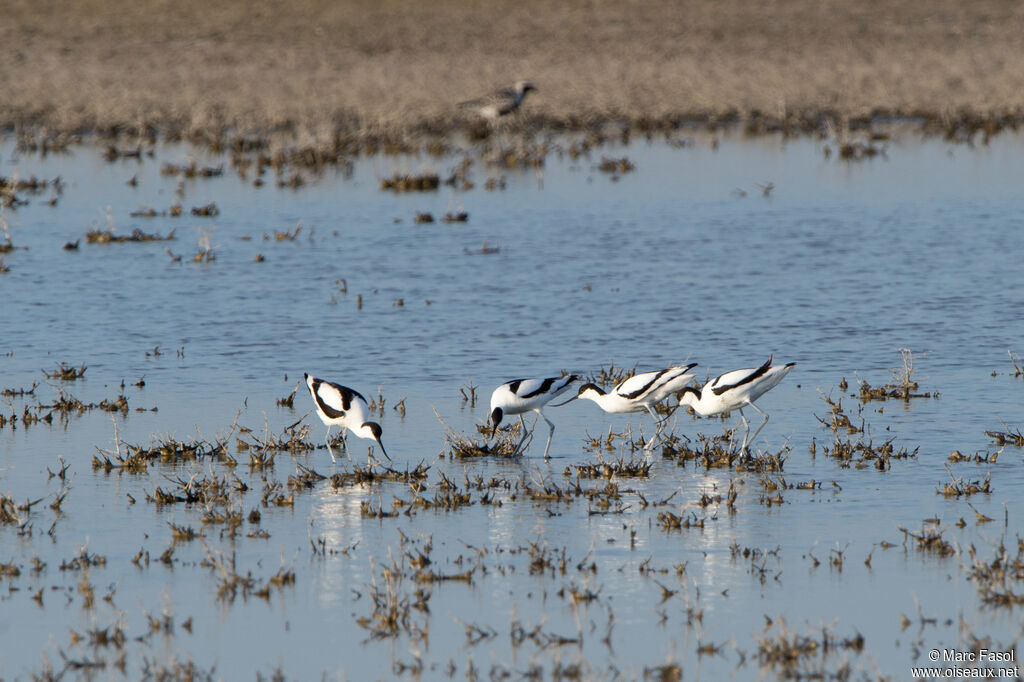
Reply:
x=191, y=170
x=411, y=183
x=288, y=235
x=137, y=235
x=66, y=372
x=616, y=166
x=10, y=187
x=114, y=153
x=484, y=250
x=208, y=211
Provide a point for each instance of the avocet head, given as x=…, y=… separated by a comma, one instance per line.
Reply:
x=585, y=391
x=376, y=431
x=688, y=396
x=496, y=414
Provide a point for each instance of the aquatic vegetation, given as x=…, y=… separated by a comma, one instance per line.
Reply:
x=1008, y=437
x=960, y=488
x=861, y=452
x=659, y=528
x=620, y=468
x=795, y=656
x=289, y=235
x=66, y=372
x=902, y=386
x=1018, y=365
x=999, y=578
x=929, y=540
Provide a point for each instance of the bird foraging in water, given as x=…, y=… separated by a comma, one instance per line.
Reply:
x=640, y=392
x=501, y=102
x=527, y=395
x=342, y=406
x=735, y=390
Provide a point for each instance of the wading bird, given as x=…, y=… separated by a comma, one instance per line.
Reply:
x=735, y=390
x=640, y=392
x=342, y=406
x=527, y=395
x=501, y=102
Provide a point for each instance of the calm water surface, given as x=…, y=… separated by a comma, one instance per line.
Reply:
x=685, y=259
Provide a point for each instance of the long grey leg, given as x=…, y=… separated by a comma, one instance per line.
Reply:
x=550, y=433
x=659, y=424
x=746, y=431
x=754, y=437
x=526, y=434
x=327, y=440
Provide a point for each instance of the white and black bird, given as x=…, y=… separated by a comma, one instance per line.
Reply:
x=640, y=392
x=342, y=406
x=527, y=395
x=735, y=390
x=501, y=102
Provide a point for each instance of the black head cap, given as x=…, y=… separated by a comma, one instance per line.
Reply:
x=377, y=431
x=496, y=415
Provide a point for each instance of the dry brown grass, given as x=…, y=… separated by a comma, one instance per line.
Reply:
x=316, y=67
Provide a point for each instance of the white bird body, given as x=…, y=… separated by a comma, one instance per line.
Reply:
x=527, y=395
x=501, y=102
x=735, y=390
x=342, y=406
x=641, y=392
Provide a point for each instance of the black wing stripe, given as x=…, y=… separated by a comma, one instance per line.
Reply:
x=324, y=407
x=347, y=396
x=643, y=389
x=757, y=373
x=544, y=387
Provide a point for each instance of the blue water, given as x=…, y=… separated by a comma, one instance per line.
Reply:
x=684, y=259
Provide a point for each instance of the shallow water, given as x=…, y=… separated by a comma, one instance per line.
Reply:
x=684, y=259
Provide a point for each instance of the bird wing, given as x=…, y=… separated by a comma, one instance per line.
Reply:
x=738, y=377
x=337, y=397
x=639, y=384
x=496, y=97
x=673, y=379
x=514, y=386
x=525, y=389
